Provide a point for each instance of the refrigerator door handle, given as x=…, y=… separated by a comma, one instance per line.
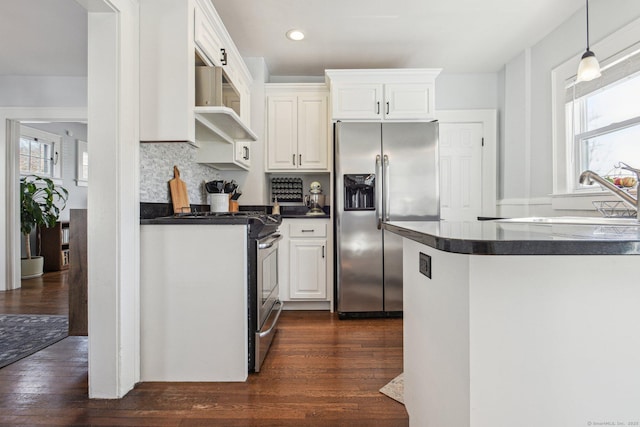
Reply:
x=378, y=194
x=387, y=196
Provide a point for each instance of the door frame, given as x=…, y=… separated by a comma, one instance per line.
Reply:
x=488, y=119
x=114, y=199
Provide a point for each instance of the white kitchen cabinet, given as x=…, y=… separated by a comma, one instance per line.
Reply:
x=306, y=265
x=408, y=101
x=192, y=300
x=308, y=269
x=381, y=95
x=308, y=259
x=207, y=42
x=190, y=32
x=297, y=127
x=356, y=101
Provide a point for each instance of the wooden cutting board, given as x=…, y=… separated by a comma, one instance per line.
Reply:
x=179, y=195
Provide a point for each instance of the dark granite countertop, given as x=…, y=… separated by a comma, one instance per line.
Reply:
x=158, y=210
x=301, y=212
x=499, y=238
x=202, y=220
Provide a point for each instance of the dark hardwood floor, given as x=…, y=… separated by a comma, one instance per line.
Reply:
x=320, y=371
x=47, y=294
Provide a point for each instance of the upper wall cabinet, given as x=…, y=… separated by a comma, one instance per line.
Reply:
x=378, y=95
x=175, y=36
x=297, y=127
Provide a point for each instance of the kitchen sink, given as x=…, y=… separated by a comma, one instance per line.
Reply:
x=573, y=220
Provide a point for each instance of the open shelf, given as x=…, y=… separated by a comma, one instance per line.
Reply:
x=224, y=122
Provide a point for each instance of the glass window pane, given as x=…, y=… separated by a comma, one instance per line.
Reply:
x=601, y=153
x=85, y=165
x=613, y=104
x=35, y=166
x=24, y=164
x=24, y=147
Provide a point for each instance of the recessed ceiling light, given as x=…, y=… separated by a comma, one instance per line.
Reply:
x=295, y=35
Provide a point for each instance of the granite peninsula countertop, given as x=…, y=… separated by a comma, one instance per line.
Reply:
x=500, y=238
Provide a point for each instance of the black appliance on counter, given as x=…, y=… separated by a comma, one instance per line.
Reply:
x=264, y=306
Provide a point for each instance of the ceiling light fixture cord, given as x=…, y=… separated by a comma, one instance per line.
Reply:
x=587, y=24
x=589, y=67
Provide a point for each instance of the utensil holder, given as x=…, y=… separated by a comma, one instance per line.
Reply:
x=219, y=202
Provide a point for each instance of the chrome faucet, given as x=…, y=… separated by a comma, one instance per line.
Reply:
x=588, y=177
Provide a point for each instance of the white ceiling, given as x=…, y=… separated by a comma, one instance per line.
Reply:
x=457, y=35
x=48, y=37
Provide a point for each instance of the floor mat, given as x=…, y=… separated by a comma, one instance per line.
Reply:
x=24, y=334
x=395, y=389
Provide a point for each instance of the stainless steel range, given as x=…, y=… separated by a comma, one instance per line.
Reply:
x=264, y=306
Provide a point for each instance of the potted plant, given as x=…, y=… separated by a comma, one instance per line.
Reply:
x=41, y=202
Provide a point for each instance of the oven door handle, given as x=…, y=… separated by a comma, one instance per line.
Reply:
x=270, y=242
x=263, y=334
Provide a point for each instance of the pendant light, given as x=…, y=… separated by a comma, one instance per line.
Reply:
x=589, y=67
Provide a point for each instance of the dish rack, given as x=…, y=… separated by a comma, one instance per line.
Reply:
x=615, y=209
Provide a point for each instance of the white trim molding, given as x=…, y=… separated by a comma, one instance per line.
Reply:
x=523, y=207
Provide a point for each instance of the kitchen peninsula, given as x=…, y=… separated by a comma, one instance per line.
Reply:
x=528, y=324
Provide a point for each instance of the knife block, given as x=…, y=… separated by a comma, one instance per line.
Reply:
x=233, y=206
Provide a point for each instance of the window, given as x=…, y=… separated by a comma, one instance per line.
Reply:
x=596, y=124
x=603, y=118
x=82, y=166
x=40, y=153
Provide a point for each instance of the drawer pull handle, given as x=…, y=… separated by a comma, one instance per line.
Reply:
x=307, y=231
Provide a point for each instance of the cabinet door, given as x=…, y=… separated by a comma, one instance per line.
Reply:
x=243, y=153
x=308, y=269
x=408, y=101
x=362, y=101
x=207, y=41
x=282, y=132
x=313, y=134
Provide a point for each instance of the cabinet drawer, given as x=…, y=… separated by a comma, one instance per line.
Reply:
x=308, y=230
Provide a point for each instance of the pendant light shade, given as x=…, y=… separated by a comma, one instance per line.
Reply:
x=589, y=67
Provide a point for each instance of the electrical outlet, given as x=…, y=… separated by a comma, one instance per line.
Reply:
x=425, y=265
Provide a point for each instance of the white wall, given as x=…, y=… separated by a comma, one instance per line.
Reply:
x=466, y=91
x=526, y=171
x=253, y=184
x=34, y=91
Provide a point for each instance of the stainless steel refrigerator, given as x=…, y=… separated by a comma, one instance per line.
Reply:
x=383, y=172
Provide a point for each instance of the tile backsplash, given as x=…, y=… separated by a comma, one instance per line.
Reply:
x=156, y=169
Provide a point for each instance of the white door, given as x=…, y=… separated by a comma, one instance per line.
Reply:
x=461, y=171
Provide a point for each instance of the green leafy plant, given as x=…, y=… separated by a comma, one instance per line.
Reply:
x=41, y=202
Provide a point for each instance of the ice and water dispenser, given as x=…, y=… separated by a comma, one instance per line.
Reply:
x=359, y=192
